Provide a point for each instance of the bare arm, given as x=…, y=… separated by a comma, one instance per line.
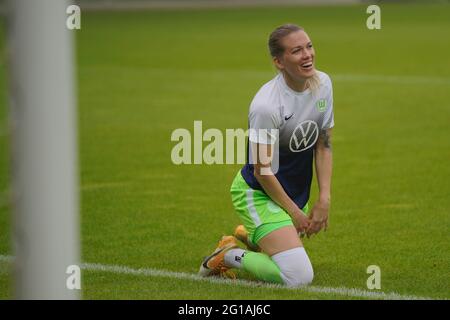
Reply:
x=324, y=163
x=273, y=188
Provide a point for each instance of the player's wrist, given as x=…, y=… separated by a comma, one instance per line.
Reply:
x=325, y=199
x=294, y=211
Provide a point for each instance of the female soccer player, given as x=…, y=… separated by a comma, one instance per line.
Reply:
x=290, y=121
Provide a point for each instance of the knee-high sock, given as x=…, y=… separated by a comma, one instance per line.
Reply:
x=295, y=267
x=291, y=267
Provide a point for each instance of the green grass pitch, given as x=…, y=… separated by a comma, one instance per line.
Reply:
x=143, y=74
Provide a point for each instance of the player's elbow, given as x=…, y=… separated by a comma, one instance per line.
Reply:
x=323, y=148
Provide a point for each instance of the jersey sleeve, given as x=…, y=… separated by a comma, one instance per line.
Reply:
x=263, y=124
x=328, y=119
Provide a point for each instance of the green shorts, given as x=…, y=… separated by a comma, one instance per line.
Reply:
x=259, y=214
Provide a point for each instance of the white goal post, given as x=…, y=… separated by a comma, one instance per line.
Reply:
x=42, y=114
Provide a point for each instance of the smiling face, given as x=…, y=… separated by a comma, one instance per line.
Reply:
x=297, y=60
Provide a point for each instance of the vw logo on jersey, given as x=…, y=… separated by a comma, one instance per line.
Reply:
x=304, y=136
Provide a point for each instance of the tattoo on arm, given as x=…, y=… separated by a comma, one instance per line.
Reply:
x=325, y=138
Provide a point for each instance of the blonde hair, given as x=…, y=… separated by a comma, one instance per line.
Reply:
x=276, y=49
x=313, y=83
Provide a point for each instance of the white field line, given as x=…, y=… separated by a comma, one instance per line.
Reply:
x=391, y=79
x=349, y=292
x=252, y=73
x=201, y=4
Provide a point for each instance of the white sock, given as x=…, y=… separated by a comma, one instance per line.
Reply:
x=233, y=258
x=295, y=267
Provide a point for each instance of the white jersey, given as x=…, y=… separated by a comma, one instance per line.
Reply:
x=277, y=106
x=299, y=117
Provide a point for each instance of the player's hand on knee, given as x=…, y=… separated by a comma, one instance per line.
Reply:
x=314, y=228
x=318, y=218
x=301, y=222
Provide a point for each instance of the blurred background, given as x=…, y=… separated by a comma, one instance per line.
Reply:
x=145, y=68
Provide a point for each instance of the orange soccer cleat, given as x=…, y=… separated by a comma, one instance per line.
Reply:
x=214, y=264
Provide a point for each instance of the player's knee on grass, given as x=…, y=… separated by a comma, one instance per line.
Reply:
x=295, y=267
